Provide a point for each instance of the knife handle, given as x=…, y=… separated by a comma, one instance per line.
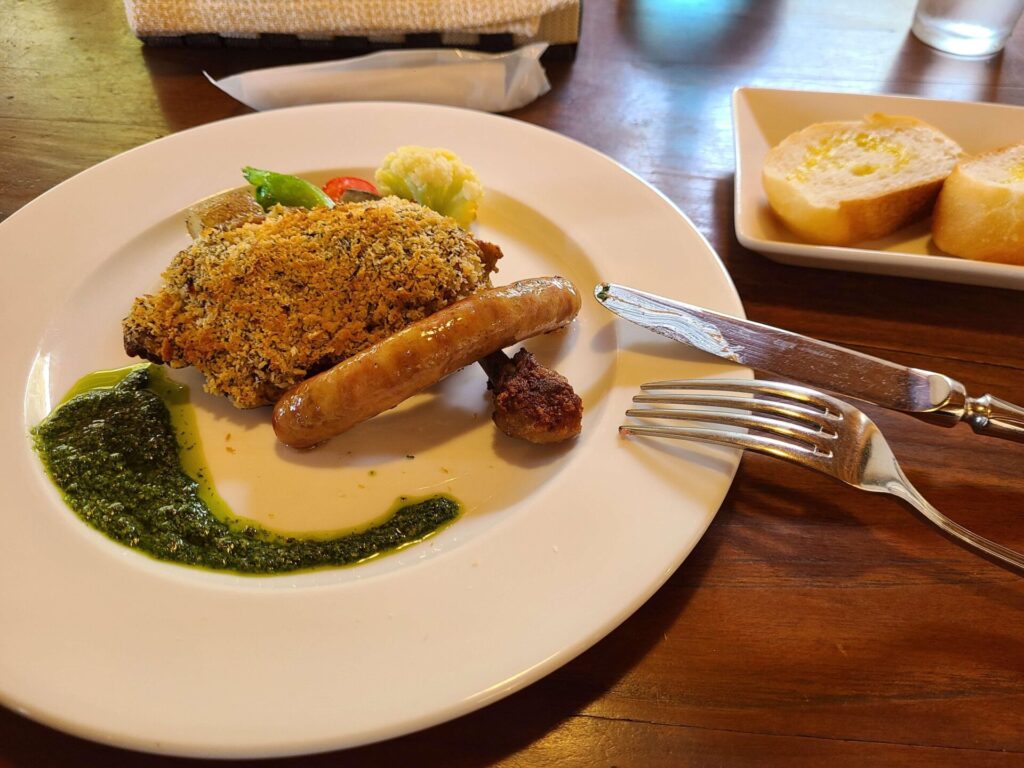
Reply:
x=989, y=415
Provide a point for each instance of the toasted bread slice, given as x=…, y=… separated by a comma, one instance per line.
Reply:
x=980, y=212
x=843, y=182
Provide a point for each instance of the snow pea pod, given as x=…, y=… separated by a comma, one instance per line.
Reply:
x=273, y=188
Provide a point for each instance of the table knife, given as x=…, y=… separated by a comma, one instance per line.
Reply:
x=932, y=397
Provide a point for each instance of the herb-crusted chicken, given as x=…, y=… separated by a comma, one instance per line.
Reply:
x=260, y=307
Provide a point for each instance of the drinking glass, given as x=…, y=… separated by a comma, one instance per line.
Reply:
x=966, y=27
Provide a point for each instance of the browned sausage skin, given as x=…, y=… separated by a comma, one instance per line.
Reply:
x=421, y=354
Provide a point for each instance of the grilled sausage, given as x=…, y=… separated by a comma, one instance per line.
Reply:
x=421, y=354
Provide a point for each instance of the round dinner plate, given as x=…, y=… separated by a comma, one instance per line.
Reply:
x=556, y=545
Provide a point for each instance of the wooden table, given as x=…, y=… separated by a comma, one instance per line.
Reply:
x=814, y=623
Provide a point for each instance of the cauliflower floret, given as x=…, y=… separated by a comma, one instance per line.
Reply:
x=436, y=178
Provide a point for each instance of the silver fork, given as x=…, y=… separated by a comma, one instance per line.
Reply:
x=800, y=425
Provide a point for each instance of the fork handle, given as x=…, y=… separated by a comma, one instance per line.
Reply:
x=989, y=415
x=901, y=486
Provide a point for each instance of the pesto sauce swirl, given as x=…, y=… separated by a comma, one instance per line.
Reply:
x=113, y=454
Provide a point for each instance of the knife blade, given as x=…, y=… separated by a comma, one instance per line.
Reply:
x=933, y=397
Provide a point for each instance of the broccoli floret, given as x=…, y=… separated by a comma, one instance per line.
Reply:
x=436, y=178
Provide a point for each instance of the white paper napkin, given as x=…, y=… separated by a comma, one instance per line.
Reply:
x=488, y=82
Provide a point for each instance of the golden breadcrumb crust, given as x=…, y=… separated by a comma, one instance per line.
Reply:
x=258, y=308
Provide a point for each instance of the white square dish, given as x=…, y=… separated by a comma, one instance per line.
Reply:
x=762, y=117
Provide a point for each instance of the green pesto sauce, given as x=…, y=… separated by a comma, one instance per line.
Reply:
x=183, y=424
x=111, y=449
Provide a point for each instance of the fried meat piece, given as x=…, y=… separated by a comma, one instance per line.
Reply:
x=262, y=306
x=532, y=402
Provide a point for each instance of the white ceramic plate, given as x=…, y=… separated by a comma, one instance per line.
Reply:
x=764, y=117
x=556, y=547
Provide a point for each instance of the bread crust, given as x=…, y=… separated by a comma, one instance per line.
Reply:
x=978, y=218
x=853, y=221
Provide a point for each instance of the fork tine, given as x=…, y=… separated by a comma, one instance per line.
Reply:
x=814, y=438
x=780, y=449
x=788, y=410
x=792, y=392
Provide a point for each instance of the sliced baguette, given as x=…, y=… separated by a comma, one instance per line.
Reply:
x=980, y=211
x=842, y=182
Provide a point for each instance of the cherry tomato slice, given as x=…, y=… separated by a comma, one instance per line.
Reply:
x=336, y=187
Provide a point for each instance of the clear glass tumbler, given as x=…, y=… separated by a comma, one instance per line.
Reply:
x=966, y=27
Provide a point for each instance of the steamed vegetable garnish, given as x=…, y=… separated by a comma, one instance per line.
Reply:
x=337, y=188
x=280, y=188
x=436, y=178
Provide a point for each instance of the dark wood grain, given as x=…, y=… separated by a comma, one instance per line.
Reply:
x=814, y=624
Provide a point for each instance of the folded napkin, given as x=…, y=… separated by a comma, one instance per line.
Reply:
x=372, y=18
x=486, y=81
